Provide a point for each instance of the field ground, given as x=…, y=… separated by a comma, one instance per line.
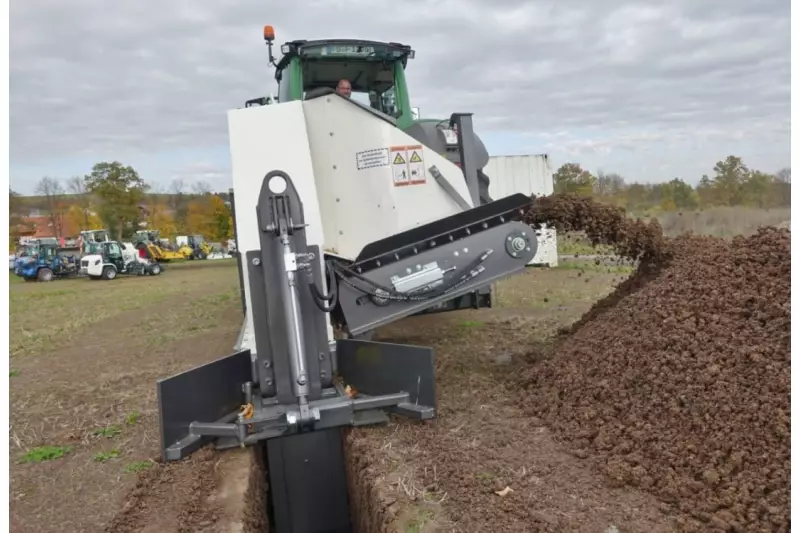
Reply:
x=85, y=357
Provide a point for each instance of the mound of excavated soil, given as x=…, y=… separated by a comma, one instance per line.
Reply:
x=679, y=381
x=602, y=223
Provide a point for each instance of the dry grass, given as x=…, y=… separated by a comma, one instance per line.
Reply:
x=85, y=357
x=723, y=222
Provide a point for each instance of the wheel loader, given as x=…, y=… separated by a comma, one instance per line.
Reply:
x=149, y=245
x=347, y=217
x=193, y=246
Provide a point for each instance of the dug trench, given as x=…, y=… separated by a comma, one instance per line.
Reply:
x=658, y=404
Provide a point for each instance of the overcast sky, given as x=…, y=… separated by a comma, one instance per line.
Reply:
x=651, y=90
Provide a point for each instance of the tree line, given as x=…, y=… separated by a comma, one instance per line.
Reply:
x=732, y=183
x=114, y=196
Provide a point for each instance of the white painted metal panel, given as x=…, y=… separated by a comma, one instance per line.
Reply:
x=340, y=159
x=353, y=160
x=530, y=175
x=263, y=139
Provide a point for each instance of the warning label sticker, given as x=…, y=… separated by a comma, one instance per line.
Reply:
x=378, y=157
x=408, y=165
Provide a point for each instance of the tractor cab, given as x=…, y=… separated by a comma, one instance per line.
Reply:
x=375, y=70
x=151, y=236
x=195, y=241
x=47, y=252
x=377, y=74
x=112, y=254
x=90, y=241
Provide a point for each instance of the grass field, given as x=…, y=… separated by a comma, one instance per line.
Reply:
x=85, y=357
x=724, y=222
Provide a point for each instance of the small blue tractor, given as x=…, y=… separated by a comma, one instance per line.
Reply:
x=42, y=262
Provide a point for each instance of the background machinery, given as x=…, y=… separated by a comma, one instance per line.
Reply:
x=149, y=245
x=40, y=260
x=193, y=246
x=361, y=219
x=113, y=258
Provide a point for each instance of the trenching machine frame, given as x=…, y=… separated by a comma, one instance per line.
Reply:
x=297, y=391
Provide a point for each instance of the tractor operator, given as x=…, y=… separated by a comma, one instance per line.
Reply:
x=344, y=88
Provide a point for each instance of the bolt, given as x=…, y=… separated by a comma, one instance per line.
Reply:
x=322, y=373
x=518, y=244
x=256, y=261
x=268, y=381
x=334, y=167
x=301, y=380
x=321, y=356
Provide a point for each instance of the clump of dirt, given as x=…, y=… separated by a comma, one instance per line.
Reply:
x=603, y=224
x=679, y=381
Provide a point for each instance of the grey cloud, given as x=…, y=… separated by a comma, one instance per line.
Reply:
x=89, y=76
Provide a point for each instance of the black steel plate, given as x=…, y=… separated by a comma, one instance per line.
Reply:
x=205, y=393
x=377, y=368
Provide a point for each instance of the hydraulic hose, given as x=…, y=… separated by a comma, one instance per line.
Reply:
x=325, y=302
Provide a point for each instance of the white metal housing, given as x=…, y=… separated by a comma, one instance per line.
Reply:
x=530, y=175
x=360, y=178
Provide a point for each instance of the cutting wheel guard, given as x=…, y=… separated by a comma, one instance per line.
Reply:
x=292, y=381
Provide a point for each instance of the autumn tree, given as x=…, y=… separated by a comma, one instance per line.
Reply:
x=730, y=177
x=178, y=204
x=211, y=217
x=77, y=219
x=608, y=184
x=16, y=214
x=55, y=207
x=83, y=200
x=119, y=190
x=757, y=189
x=677, y=194
x=571, y=178
x=159, y=215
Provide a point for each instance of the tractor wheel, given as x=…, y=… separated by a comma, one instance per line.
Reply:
x=109, y=273
x=155, y=269
x=201, y=254
x=45, y=274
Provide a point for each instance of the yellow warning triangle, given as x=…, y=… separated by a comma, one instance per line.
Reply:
x=415, y=158
x=398, y=159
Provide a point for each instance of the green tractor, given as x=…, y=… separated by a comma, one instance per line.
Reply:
x=376, y=72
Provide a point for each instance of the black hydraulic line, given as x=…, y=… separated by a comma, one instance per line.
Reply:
x=321, y=298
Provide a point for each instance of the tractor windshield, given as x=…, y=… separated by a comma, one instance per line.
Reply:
x=370, y=69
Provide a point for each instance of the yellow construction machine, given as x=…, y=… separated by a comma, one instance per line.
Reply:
x=193, y=246
x=149, y=245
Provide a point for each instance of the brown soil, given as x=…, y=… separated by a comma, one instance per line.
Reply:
x=679, y=382
x=602, y=224
x=444, y=475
